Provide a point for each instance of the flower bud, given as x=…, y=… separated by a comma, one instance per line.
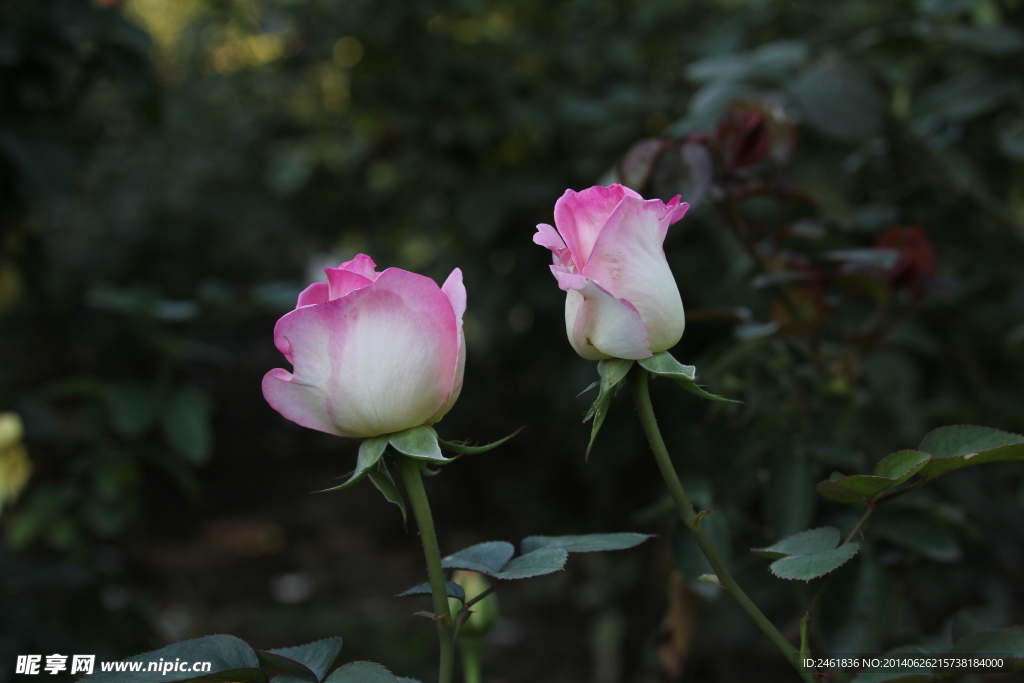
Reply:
x=621, y=298
x=373, y=353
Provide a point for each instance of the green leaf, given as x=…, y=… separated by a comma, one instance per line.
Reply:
x=229, y=657
x=807, y=567
x=453, y=590
x=370, y=452
x=460, y=448
x=407, y=680
x=385, y=483
x=960, y=440
x=487, y=558
x=664, y=365
x=808, y=554
x=956, y=447
x=918, y=533
x=613, y=373
x=418, y=442
x=186, y=424
x=361, y=672
x=839, y=101
x=803, y=543
x=589, y=543
x=312, y=658
x=893, y=470
x=537, y=563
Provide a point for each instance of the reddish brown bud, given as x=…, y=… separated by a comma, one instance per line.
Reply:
x=741, y=138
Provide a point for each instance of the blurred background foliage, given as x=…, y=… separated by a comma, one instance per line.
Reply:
x=172, y=173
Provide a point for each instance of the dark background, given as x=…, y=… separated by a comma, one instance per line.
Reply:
x=173, y=173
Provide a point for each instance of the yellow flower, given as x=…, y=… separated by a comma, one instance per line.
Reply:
x=15, y=467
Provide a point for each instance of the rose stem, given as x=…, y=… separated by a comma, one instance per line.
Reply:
x=409, y=469
x=638, y=384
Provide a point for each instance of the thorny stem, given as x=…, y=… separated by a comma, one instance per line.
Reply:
x=860, y=524
x=464, y=614
x=411, y=477
x=638, y=379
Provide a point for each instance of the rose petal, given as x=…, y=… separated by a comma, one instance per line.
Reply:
x=361, y=265
x=673, y=212
x=547, y=236
x=568, y=279
x=316, y=293
x=629, y=262
x=455, y=290
x=343, y=282
x=376, y=361
x=303, y=404
x=580, y=216
x=601, y=326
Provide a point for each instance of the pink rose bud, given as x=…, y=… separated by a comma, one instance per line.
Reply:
x=621, y=299
x=373, y=353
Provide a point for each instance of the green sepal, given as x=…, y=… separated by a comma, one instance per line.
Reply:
x=460, y=447
x=862, y=489
x=385, y=483
x=664, y=365
x=427, y=472
x=613, y=373
x=370, y=452
x=418, y=442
